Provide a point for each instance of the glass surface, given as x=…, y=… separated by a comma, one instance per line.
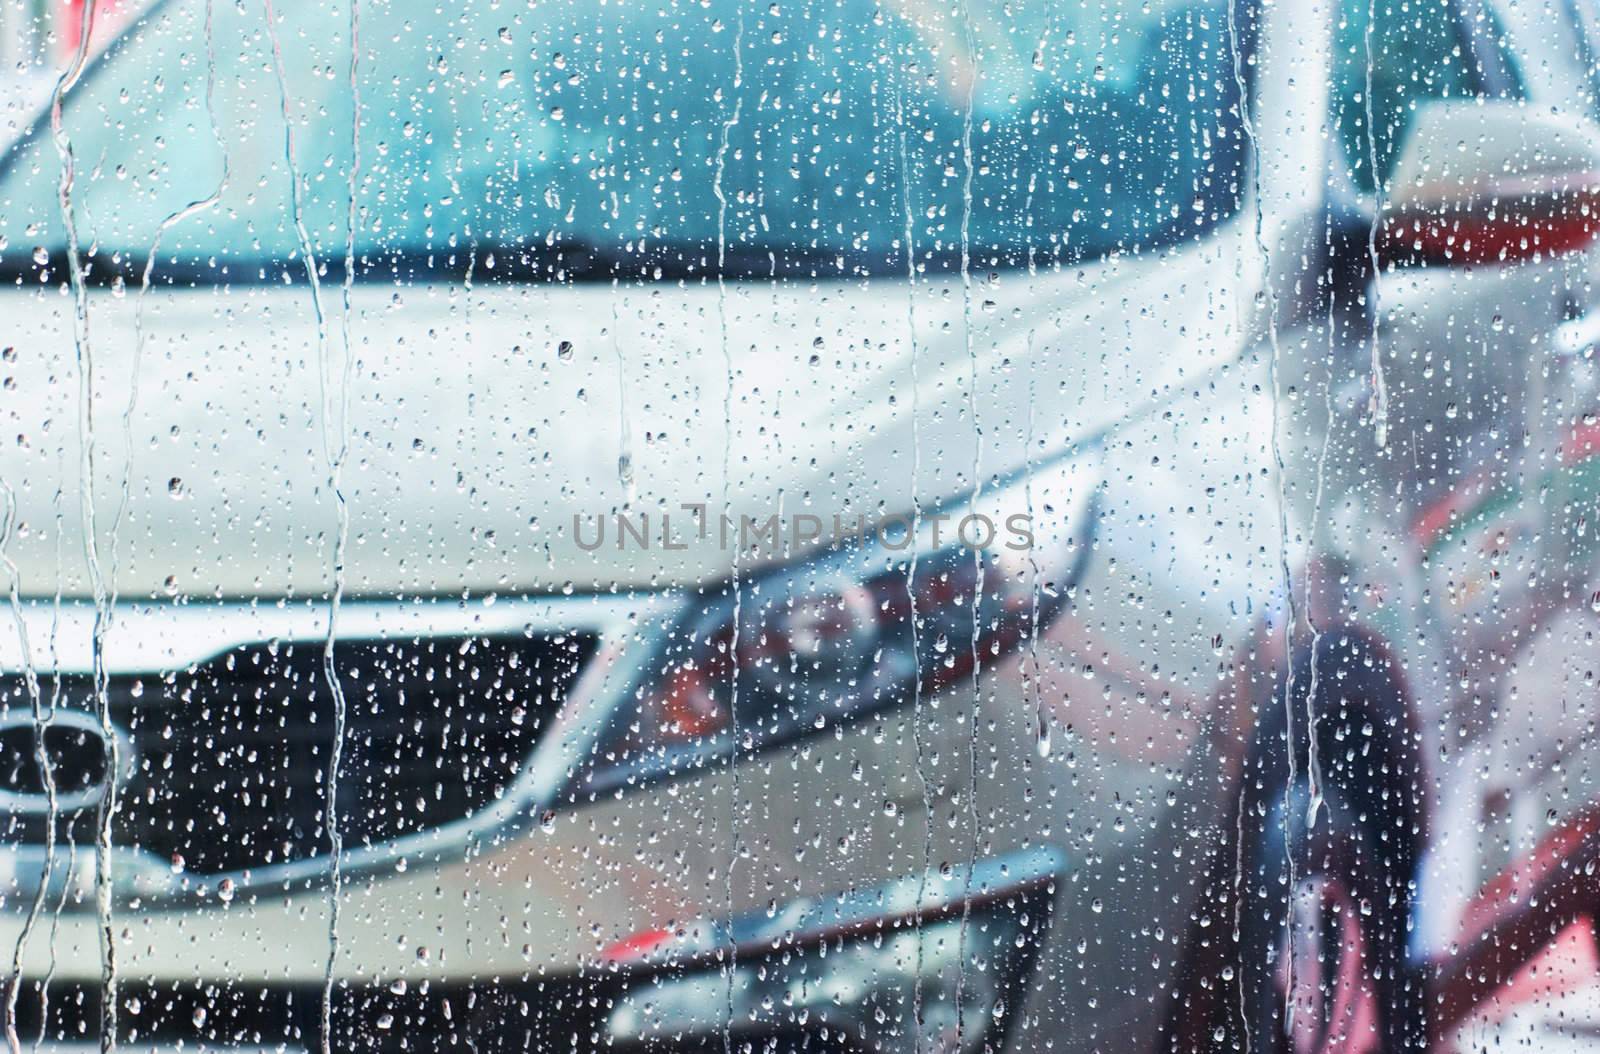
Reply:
x=779, y=526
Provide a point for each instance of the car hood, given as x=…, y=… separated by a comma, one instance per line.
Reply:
x=485, y=421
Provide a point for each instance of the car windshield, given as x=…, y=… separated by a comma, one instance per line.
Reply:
x=645, y=134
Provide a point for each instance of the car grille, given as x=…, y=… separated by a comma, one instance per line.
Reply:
x=230, y=758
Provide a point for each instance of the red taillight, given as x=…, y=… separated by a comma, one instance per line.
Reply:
x=1508, y=222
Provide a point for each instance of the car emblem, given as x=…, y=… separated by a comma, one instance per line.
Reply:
x=75, y=746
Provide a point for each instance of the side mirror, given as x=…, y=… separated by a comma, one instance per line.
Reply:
x=1491, y=181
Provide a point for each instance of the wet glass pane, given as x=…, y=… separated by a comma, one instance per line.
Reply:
x=798, y=525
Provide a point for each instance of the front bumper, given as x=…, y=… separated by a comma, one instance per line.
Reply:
x=928, y=961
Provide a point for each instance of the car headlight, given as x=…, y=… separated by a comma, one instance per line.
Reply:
x=852, y=629
x=863, y=971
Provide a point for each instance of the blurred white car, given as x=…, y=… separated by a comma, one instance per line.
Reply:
x=822, y=526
